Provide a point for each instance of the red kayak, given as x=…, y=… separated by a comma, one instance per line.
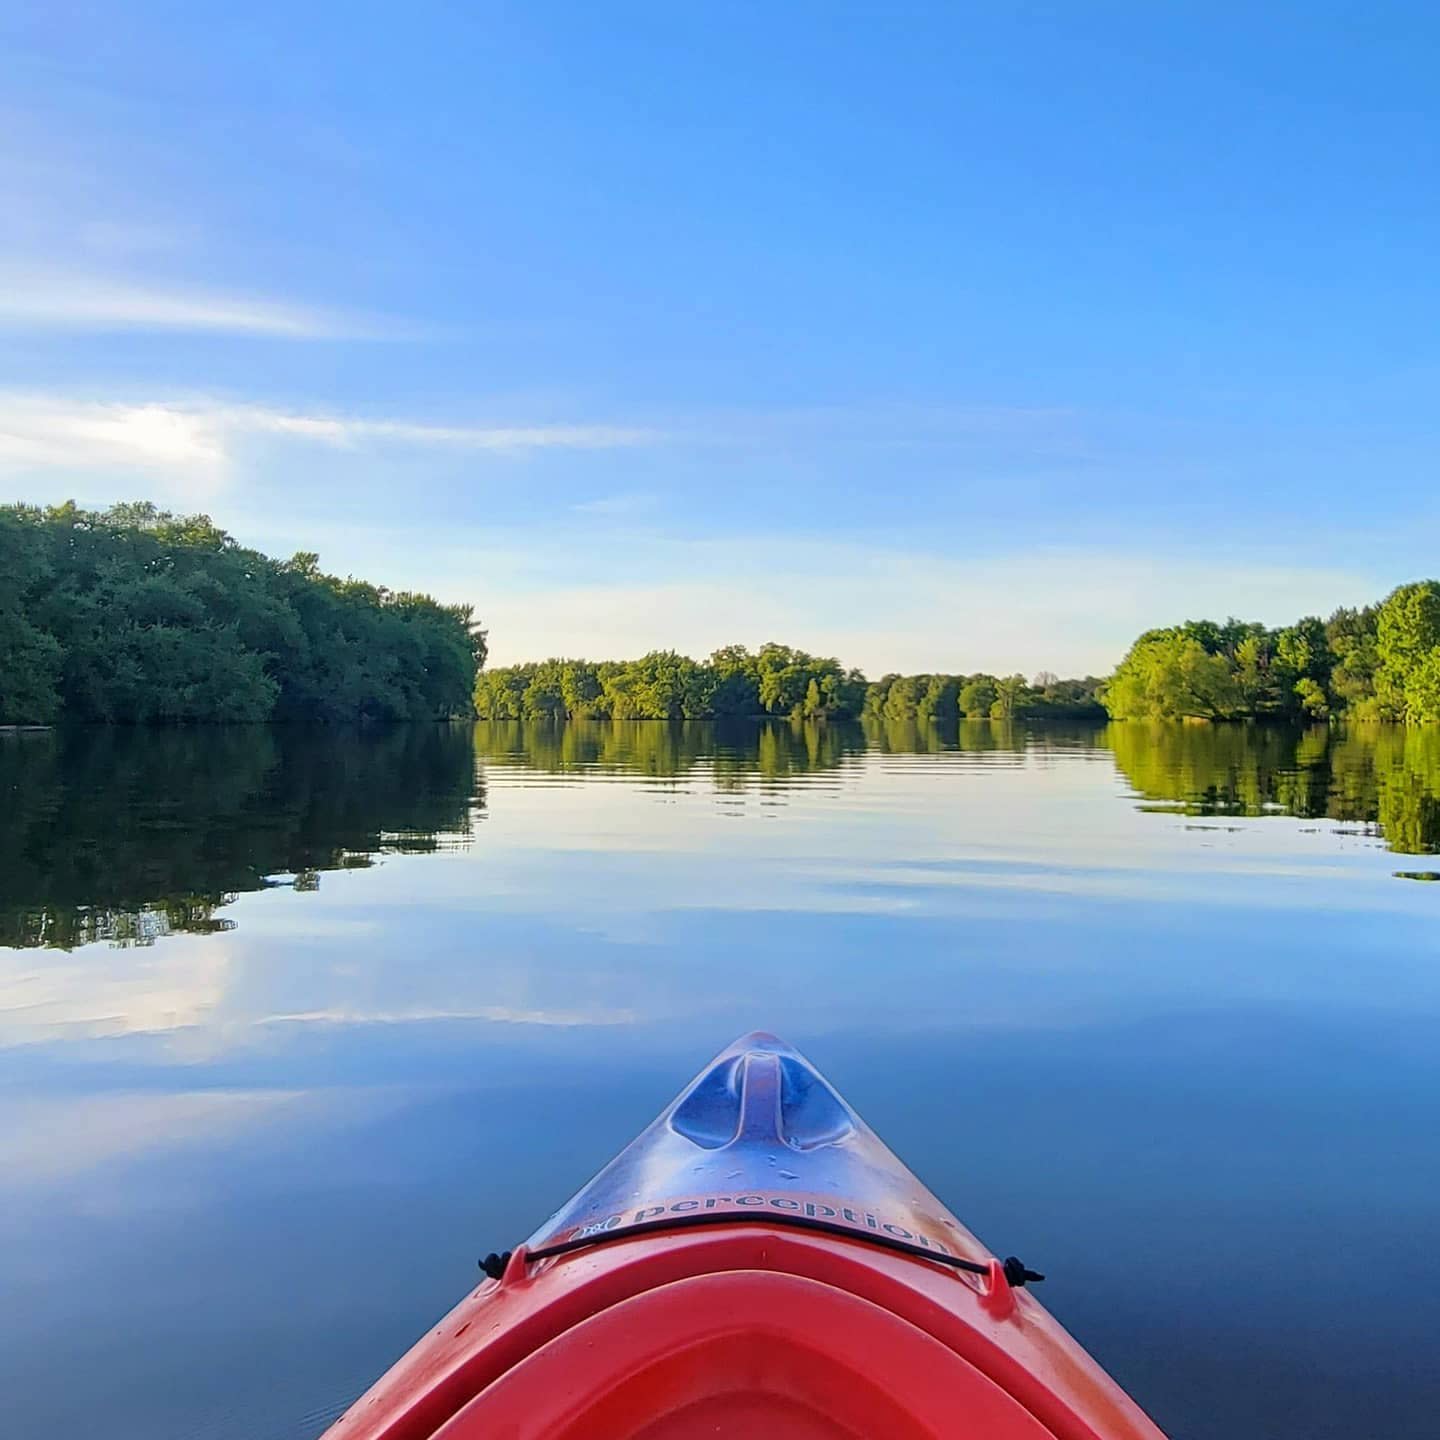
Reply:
x=756, y=1264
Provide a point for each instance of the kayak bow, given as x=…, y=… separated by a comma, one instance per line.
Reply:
x=756, y=1263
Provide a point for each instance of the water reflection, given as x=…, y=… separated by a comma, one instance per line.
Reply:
x=1096, y=1030
x=739, y=755
x=125, y=835
x=731, y=757
x=1382, y=778
x=907, y=737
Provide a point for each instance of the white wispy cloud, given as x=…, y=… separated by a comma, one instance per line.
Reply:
x=40, y=432
x=351, y=430
x=37, y=298
x=189, y=447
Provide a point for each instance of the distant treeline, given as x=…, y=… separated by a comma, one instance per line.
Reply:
x=134, y=614
x=1378, y=663
x=775, y=680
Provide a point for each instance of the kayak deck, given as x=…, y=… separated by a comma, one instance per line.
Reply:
x=744, y=1352
x=824, y=1294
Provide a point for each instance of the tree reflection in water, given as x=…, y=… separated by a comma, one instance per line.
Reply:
x=124, y=835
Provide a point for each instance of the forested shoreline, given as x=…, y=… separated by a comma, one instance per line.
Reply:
x=136, y=615
x=1377, y=663
x=773, y=681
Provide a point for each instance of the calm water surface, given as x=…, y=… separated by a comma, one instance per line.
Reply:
x=293, y=1026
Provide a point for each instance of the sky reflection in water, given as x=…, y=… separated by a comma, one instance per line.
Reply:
x=340, y=1013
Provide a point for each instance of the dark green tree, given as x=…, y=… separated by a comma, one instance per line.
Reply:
x=977, y=697
x=137, y=615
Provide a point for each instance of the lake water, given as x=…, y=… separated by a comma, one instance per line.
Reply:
x=295, y=1025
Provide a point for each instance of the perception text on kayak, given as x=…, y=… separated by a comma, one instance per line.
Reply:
x=839, y=1215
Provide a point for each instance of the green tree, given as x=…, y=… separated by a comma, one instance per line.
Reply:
x=30, y=658
x=663, y=685
x=1422, y=689
x=939, y=704
x=1314, y=703
x=843, y=692
x=1053, y=698
x=617, y=690
x=544, y=697
x=1010, y=693
x=737, y=681
x=877, y=693
x=1169, y=675
x=580, y=688
x=135, y=614
x=978, y=696
x=1351, y=640
x=1407, y=641
x=903, y=696
x=500, y=694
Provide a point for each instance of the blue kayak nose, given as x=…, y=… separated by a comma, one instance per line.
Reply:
x=759, y=1093
x=758, y=1133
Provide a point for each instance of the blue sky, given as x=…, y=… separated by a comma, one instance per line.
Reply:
x=935, y=336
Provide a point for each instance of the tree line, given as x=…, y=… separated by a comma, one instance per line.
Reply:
x=135, y=614
x=775, y=680
x=1380, y=662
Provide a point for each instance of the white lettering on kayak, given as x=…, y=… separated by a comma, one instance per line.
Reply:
x=844, y=1218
